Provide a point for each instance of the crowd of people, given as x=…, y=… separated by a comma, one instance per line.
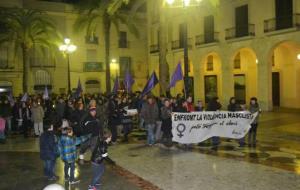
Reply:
x=93, y=122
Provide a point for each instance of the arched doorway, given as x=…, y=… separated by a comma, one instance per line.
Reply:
x=285, y=60
x=245, y=75
x=212, y=76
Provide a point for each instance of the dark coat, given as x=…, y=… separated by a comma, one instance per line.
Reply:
x=100, y=153
x=48, y=146
x=91, y=125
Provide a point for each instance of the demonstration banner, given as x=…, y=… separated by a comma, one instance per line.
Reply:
x=196, y=127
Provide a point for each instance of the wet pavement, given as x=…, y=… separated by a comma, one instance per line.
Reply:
x=273, y=164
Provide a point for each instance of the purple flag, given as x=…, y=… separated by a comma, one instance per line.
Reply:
x=11, y=99
x=177, y=75
x=79, y=89
x=24, y=98
x=116, y=86
x=150, y=84
x=128, y=81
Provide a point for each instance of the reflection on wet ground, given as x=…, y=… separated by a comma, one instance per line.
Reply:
x=276, y=160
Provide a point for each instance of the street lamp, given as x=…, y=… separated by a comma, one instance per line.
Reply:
x=67, y=48
x=184, y=4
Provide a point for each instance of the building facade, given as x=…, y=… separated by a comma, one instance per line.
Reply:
x=87, y=63
x=241, y=48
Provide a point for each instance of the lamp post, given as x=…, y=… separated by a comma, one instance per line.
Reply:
x=67, y=48
x=188, y=85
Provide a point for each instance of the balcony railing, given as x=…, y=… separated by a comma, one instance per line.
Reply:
x=42, y=62
x=91, y=40
x=240, y=31
x=177, y=44
x=274, y=24
x=123, y=44
x=154, y=48
x=206, y=39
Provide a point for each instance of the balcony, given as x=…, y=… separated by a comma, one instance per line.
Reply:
x=42, y=62
x=91, y=40
x=123, y=44
x=154, y=48
x=240, y=31
x=207, y=39
x=280, y=23
x=179, y=44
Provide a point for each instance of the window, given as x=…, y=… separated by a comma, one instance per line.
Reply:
x=241, y=21
x=123, y=40
x=209, y=29
x=210, y=63
x=42, y=77
x=237, y=61
x=39, y=58
x=125, y=65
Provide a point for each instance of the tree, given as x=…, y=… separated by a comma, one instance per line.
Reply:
x=93, y=13
x=26, y=29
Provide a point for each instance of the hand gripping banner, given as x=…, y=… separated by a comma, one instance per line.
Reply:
x=196, y=127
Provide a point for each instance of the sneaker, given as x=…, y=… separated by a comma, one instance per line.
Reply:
x=98, y=184
x=92, y=187
x=75, y=181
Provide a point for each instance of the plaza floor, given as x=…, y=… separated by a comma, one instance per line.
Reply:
x=273, y=164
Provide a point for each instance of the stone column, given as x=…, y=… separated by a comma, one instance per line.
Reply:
x=227, y=79
x=264, y=81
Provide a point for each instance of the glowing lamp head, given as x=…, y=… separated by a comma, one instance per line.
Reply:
x=170, y=2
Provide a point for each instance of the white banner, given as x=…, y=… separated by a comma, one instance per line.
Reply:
x=196, y=127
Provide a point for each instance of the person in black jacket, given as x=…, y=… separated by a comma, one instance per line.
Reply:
x=49, y=150
x=233, y=105
x=100, y=154
x=90, y=125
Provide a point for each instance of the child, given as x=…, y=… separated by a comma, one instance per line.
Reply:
x=67, y=146
x=48, y=150
x=98, y=156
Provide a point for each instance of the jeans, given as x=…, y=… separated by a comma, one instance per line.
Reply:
x=141, y=124
x=150, y=130
x=114, y=132
x=2, y=135
x=252, y=134
x=8, y=123
x=158, y=133
x=70, y=166
x=49, y=168
x=98, y=170
x=38, y=128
